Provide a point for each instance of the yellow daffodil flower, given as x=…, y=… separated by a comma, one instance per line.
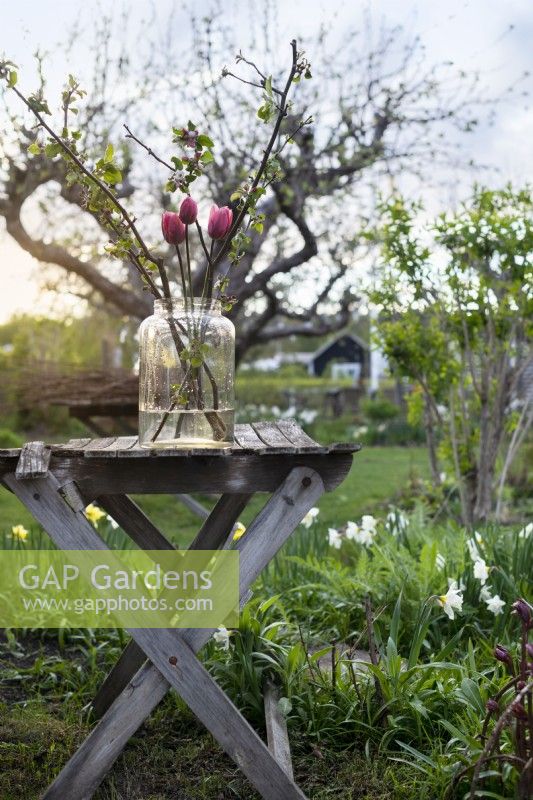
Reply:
x=94, y=514
x=238, y=531
x=19, y=532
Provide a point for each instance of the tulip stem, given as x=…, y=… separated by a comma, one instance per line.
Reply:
x=183, y=281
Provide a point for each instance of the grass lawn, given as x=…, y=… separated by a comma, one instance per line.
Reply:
x=377, y=474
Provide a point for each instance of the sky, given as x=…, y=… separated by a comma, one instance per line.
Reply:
x=491, y=36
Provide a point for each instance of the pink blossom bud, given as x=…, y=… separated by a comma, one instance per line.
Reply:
x=188, y=211
x=172, y=227
x=220, y=220
x=492, y=706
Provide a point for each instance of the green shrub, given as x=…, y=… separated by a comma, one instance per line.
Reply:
x=9, y=438
x=379, y=410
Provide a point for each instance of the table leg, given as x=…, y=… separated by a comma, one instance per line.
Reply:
x=273, y=525
x=214, y=533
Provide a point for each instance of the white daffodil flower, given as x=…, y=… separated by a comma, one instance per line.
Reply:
x=310, y=517
x=495, y=605
x=368, y=523
x=526, y=532
x=485, y=593
x=440, y=562
x=221, y=637
x=352, y=531
x=112, y=522
x=472, y=550
x=334, y=538
x=453, y=599
x=366, y=536
x=481, y=571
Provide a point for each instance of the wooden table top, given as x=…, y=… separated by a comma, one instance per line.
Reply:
x=261, y=438
x=261, y=453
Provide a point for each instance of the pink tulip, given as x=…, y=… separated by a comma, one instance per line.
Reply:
x=172, y=227
x=188, y=211
x=220, y=220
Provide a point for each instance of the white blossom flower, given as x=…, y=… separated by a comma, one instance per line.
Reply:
x=308, y=415
x=442, y=477
x=453, y=599
x=368, y=523
x=472, y=549
x=495, y=605
x=352, y=531
x=440, y=561
x=310, y=517
x=221, y=637
x=481, y=571
x=397, y=522
x=365, y=536
x=526, y=532
x=334, y=538
x=112, y=522
x=485, y=593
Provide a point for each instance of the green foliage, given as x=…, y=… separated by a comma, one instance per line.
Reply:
x=379, y=410
x=456, y=310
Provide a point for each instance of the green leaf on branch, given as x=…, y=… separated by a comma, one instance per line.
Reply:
x=109, y=152
x=204, y=141
x=207, y=157
x=34, y=149
x=112, y=174
x=178, y=163
x=12, y=79
x=52, y=149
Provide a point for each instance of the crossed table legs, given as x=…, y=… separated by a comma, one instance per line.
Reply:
x=133, y=690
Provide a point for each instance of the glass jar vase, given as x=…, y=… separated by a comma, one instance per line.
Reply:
x=187, y=368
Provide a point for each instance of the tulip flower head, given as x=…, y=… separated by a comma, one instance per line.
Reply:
x=220, y=220
x=188, y=211
x=172, y=227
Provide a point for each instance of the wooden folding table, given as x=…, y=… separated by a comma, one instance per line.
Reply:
x=57, y=482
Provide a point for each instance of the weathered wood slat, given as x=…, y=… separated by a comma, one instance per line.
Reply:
x=265, y=536
x=96, y=446
x=240, y=474
x=271, y=435
x=134, y=522
x=248, y=439
x=299, y=438
x=33, y=461
x=214, y=533
x=276, y=727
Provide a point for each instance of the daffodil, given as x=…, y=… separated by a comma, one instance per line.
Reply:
x=440, y=561
x=352, y=531
x=238, y=531
x=495, y=605
x=19, y=533
x=526, y=532
x=221, y=637
x=334, y=538
x=112, y=522
x=368, y=523
x=485, y=593
x=310, y=517
x=94, y=514
x=481, y=571
x=453, y=599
